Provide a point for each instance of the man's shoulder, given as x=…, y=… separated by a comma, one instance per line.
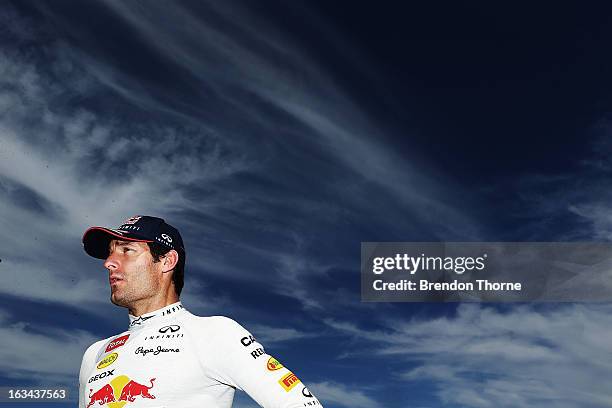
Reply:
x=217, y=327
x=212, y=321
x=92, y=351
x=96, y=345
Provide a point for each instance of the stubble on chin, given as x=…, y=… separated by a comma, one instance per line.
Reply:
x=116, y=301
x=126, y=298
x=120, y=299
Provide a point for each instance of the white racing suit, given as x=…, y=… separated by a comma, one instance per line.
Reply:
x=172, y=358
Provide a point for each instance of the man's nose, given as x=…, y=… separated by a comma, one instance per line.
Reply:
x=111, y=263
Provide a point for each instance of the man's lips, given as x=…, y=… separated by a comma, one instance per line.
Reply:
x=113, y=280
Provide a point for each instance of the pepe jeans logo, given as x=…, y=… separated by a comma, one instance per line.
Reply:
x=160, y=349
x=173, y=328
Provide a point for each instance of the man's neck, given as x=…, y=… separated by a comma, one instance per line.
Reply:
x=149, y=305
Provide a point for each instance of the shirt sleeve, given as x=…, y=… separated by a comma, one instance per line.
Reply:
x=87, y=365
x=241, y=361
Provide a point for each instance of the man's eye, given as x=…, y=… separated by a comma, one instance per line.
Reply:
x=127, y=249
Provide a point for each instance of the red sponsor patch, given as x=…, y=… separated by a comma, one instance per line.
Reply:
x=121, y=388
x=118, y=342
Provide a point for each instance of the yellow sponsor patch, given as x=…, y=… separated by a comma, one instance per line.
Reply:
x=108, y=360
x=118, y=384
x=289, y=381
x=273, y=364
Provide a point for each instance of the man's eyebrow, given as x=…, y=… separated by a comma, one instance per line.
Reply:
x=123, y=243
x=120, y=243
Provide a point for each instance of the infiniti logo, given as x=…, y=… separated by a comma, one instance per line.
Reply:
x=172, y=328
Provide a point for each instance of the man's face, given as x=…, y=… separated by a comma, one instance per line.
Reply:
x=132, y=273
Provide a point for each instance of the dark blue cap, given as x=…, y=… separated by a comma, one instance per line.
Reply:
x=140, y=228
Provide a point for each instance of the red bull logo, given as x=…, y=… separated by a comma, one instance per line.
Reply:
x=103, y=396
x=119, y=392
x=134, y=389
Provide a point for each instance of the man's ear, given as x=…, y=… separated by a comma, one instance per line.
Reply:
x=170, y=260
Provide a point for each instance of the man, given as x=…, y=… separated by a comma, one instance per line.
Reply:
x=169, y=357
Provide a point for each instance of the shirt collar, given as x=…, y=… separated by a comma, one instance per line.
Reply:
x=154, y=316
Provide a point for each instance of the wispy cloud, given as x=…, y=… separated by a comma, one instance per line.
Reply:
x=574, y=203
x=264, y=64
x=341, y=395
x=250, y=148
x=267, y=165
x=32, y=355
x=227, y=168
x=521, y=356
x=273, y=335
x=48, y=162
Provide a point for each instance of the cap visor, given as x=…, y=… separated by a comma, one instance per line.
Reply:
x=96, y=240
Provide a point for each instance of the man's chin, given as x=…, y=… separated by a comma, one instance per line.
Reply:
x=118, y=301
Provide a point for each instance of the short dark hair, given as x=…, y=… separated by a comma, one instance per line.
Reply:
x=178, y=276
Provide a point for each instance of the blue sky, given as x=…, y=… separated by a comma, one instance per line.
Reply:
x=277, y=137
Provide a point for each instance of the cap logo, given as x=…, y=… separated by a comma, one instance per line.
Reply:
x=132, y=220
x=166, y=237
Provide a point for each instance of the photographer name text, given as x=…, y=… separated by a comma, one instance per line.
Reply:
x=425, y=285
